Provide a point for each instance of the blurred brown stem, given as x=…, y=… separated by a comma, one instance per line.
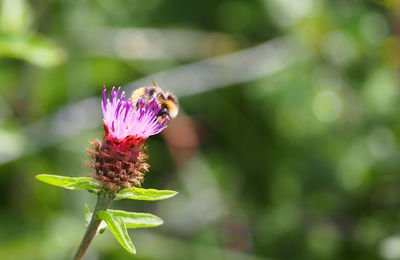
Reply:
x=103, y=202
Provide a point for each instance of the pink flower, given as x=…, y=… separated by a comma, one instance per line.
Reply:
x=120, y=160
x=123, y=118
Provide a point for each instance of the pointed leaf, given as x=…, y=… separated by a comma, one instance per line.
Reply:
x=145, y=194
x=131, y=219
x=118, y=228
x=71, y=183
x=88, y=216
x=137, y=220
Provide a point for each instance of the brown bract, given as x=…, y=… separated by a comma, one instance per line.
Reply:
x=118, y=163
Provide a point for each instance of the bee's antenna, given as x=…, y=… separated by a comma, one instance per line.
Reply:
x=155, y=84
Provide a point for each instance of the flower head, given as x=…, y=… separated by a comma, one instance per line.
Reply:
x=123, y=118
x=120, y=160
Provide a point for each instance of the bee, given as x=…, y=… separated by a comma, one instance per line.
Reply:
x=169, y=103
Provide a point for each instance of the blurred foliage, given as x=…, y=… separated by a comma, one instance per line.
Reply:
x=17, y=40
x=301, y=164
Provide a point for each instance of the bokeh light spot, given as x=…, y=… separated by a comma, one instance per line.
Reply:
x=327, y=106
x=374, y=28
x=390, y=247
x=341, y=48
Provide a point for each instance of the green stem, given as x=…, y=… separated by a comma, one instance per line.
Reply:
x=103, y=202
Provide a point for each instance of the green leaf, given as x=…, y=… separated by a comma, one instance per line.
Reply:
x=131, y=219
x=71, y=183
x=32, y=48
x=118, y=228
x=88, y=216
x=137, y=220
x=145, y=194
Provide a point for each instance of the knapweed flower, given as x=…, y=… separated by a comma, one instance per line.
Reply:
x=120, y=160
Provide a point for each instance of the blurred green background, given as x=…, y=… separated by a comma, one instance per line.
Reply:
x=286, y=147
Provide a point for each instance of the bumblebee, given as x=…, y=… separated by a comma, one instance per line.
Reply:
x=169, y=103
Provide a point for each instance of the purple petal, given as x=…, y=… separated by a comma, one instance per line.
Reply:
x=124, y=118
x=104, y=97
